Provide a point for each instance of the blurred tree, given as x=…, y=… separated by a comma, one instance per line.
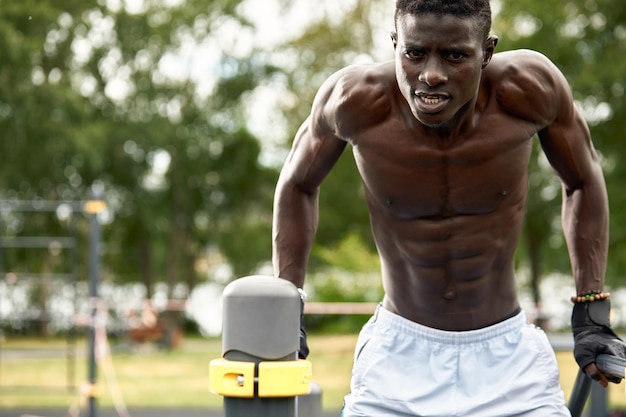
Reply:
x=109, y=92
x=582, y=38
x=42, y=147
x=343, y=36
x=154, y=100
x=40, y=115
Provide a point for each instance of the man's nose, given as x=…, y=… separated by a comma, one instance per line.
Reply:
x=433, y=73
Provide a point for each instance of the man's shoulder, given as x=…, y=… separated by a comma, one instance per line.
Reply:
x=354, y=92
x=520, y=61
x=361, y=78
x=382, y=70
x=526, y=84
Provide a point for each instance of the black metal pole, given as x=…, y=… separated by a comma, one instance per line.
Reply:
x=599, y=398
x=94, y=271
x=6, y=286
x=580, y=393
x=71, y=334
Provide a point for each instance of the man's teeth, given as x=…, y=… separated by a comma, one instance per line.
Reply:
x=431, y=100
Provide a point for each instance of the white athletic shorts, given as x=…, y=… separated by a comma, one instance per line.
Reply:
x=405, y=369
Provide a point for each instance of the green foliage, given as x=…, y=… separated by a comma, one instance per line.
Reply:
x=353, y=277
x=583, y=39
x=341, y=284
x=350, y=254
x=337, y=284
x=324, y=47
x=86, y=97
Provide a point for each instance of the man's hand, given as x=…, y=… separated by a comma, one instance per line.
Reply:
x=592, y=342
x=593, y=336
x=303, y=352
x=304, y=347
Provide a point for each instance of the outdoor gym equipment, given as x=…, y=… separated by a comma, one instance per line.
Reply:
x=608, y=364
x=92, y=208
x=259, y=373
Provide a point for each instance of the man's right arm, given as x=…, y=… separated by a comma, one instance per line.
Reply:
x=316, y=149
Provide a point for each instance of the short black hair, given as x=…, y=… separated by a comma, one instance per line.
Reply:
x=479, y=9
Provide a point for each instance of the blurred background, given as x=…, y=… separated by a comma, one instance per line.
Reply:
x=180, y=114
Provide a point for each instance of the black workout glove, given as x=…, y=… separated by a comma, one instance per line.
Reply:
x=593, y=335
x=303, y=352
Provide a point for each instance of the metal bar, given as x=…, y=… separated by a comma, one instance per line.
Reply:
x=580, y=393
x=39, y=205
x=94, y=271
x=609, y=364
x=34, y=390
x=34, y=276
x=598, y=404
x=37, y=242
x=313, y=307
x=612, y=365
x=2, y=318
x=71, y=334
x=2, y=323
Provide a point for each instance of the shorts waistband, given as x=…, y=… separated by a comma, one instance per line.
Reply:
x=391, y=320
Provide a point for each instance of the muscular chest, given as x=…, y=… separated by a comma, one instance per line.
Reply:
x=425, y=177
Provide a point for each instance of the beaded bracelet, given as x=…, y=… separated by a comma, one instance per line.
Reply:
x=590, y=297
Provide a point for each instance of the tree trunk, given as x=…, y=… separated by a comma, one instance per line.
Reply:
x=145, y=256
x=190, y=271
x=535, y=279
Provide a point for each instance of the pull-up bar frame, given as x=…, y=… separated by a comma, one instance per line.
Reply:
x=91, y=207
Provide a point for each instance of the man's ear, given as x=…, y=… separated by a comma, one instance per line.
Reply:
x=488, y=49
x=394, y=38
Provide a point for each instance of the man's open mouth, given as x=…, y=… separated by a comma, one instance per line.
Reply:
x=431, y=99
x=431, y=103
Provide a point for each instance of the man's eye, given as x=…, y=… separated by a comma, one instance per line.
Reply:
x=414, y=54
x=456, y=56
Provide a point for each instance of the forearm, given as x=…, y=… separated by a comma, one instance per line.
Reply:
x=295, y=222
x=585, y=223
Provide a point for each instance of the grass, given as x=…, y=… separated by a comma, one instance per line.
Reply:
x=146, y=377
x=179, y=379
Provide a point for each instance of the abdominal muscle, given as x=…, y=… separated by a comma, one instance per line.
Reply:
x=450, y=274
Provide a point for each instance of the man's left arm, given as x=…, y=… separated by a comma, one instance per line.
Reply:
x=567, y=144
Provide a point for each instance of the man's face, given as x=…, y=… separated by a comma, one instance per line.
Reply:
x=439, y=61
